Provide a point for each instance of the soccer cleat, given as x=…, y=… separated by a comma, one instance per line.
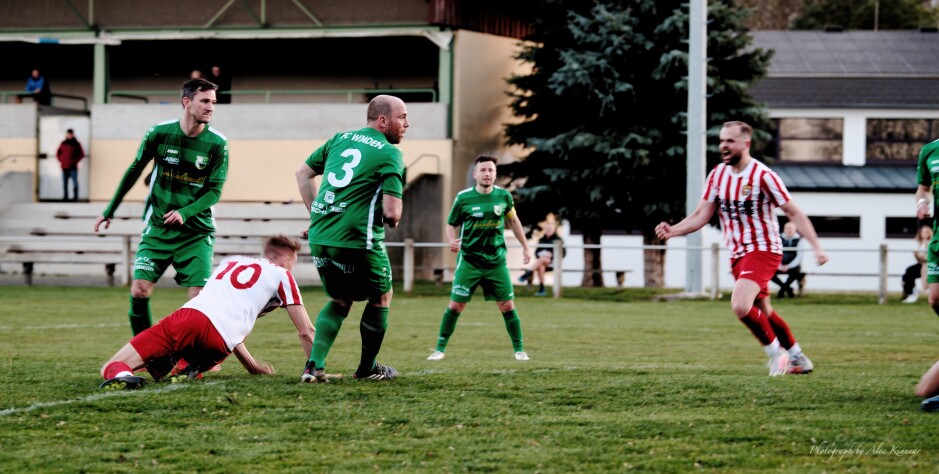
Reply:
x=128, y=382
x=436, y=355
x=912, y=298
x=931, y=404
x=380, y=372
x=800, y=364
x=184, y=368
x=521, y=355
x=312, y=374
x=778, y=363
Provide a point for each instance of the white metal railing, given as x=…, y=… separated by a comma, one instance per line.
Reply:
x=408, y=265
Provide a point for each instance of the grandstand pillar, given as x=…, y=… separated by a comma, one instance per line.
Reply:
x=445, y=80
x=100, y=75
x=408, y=271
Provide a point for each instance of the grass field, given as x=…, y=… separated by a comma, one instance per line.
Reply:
x=614, y=384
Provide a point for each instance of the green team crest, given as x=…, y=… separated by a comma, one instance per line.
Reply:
x=201, y=162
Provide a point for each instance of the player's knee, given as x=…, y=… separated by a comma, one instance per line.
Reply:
x=141, y=289
x=741, y=309
x=456, y=306
x=506, y=305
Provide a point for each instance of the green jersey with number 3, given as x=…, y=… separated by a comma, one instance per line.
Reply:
x=358, y=167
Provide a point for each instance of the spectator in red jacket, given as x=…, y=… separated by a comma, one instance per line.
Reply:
x=70, y=152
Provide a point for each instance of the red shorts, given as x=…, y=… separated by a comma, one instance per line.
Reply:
x=759, y=267
x=185, y=334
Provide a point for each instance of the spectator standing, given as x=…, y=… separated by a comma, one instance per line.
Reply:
x=223, y=81
x=70, y=152
x=37, y=87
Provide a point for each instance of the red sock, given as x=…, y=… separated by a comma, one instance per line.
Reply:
x=759, y=325
x=786, y=339
x=115, y=368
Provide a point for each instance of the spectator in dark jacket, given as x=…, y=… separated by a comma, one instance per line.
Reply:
x=37, y=87
x=70, y=152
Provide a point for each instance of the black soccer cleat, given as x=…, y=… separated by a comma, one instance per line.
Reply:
x=931, y=404
x=313, y=375
x=380, y=372
x=124, y=382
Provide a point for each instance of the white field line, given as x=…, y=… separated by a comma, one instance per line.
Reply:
x=99, y=396
x=60, y=326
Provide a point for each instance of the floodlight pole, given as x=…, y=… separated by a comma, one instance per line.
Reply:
x=697, y=140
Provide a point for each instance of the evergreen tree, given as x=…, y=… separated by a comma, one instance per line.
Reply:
x=604, y=111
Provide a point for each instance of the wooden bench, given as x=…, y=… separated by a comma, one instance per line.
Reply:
x=30, y=257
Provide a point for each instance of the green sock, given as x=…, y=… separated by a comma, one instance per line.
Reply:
x=447, y=326
x=328, y=322
x=372, y=328
x=514, y=326
x=139, y=314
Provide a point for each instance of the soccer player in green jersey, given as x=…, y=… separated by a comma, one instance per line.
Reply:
x=478, y=216
x=190, y=166
x=927, y=176
x=361, y=189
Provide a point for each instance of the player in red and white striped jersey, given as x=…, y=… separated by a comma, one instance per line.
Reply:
x=215, y=323
x=746, y=193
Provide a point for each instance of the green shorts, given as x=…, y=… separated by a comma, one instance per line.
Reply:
x=353, y=274
x=932, y=260
x=189, y=253
x=496, y=282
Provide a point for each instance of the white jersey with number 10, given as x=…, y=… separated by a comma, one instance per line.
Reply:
x=241, y=290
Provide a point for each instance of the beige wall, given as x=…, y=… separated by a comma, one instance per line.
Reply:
x=481, y=64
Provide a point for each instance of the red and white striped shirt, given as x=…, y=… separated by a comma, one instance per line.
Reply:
x=747, y=202
x=241, y=290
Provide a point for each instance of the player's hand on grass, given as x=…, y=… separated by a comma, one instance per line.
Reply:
x=262, y=368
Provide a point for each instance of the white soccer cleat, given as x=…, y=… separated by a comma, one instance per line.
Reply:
x=800, y=364
x=436, y=355
x=521, y=355
x=779, y=363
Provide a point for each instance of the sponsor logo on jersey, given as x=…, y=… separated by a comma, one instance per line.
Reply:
x=171, y=160
x=201, y=162
x=498, y=208
x=746, y=190
x=478, y=215
x=172, y=151
x=329, y=197
x=144, y=263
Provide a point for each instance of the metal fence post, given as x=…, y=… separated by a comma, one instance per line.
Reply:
x=882, y=287
x=715, y=270
x=408, y=265
x=558, y=267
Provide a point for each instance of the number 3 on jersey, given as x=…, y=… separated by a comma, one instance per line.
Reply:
x=346, y=168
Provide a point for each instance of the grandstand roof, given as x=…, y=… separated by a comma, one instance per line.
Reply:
x=879, y=178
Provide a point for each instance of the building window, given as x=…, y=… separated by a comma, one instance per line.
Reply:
x=904, y=227
x=898, y=140
x=832, y=226
x=809, y=139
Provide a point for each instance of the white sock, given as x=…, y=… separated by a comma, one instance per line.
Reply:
x=123, y=373
x=795, y=350
x=772, y=348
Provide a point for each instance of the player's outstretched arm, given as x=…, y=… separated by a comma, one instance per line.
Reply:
x=696, y=220
x=305, y=328
x=805, y=227
x=253, y=366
